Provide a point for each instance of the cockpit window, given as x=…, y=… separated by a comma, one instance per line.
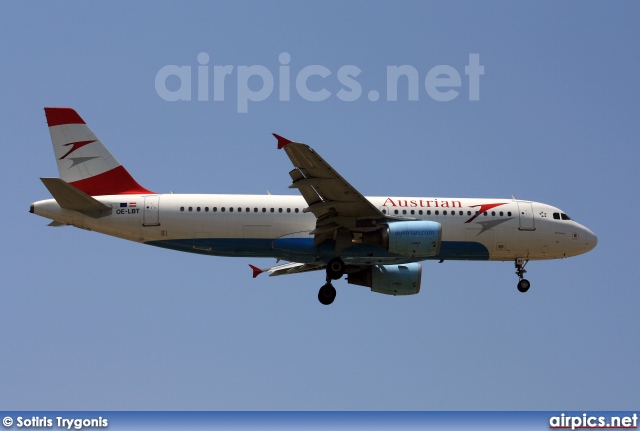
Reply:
x=565, y=217
x=556, y=216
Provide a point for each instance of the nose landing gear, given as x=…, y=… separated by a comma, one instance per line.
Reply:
x=523, y=284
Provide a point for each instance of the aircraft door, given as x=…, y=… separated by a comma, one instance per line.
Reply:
x=151, y=215
x=526, y=216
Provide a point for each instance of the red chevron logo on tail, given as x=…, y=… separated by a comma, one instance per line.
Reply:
x=76, y=145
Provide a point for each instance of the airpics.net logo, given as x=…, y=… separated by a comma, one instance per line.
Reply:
x=257, y=83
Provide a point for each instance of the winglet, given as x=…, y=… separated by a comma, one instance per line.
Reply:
x=256, y=271
x=281, y=141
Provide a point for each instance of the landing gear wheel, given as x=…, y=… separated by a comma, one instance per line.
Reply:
x=327, y=294
x=524, y=285
x=335, y=268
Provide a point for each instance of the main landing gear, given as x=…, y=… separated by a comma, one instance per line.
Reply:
x=523, y=284
x=335, y=271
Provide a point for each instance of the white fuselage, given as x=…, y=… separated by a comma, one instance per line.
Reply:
x=277, y=226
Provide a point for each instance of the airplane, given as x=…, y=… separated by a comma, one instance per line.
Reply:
x=378, y=242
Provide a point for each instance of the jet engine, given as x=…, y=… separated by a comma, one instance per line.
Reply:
x=418, y=238
x=390, y=279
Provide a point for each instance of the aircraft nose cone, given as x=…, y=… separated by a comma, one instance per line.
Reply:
x=591, y=240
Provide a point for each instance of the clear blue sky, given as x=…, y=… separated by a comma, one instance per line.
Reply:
x=93, y=322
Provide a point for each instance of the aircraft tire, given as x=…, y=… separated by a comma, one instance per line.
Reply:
x=327, y=294
x=523, y=285
x=335, y=268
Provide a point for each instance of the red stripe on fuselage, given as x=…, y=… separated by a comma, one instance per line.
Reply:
x=483, y=208
x=58, y=116
x=117, y=181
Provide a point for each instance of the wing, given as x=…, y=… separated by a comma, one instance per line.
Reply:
x=339, y=208
x=288, y=268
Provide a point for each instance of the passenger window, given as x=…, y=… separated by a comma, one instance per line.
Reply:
x=444, y=212
x=248, y=209
x=468, y=213
x=279, y=210
x=395, y=211
x=428, y=212
x=181, y=208
x=493, y=213
x=556, y=216
x=501, y=213
x=198, y=209
x=190, y=208
x=404, y=211
x=215, y=209
x=384, y=211
x=485, y=213
x=222, y=209
x=413, y=212
x=288, y=210
x=272, y=210
x=230, y=209
x=437, y=212
x=255, y=210
x=420, y=212
x=206, y=209
x=297, y=210
x=509, y=213
x=264, y=210
x=461, y=212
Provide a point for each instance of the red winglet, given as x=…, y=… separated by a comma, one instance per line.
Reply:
x=256, y=271
x=282, y=141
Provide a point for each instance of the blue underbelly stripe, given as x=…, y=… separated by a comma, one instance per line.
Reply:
x=302, y=250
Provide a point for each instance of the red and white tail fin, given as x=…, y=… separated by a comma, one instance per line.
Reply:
x=83, y=160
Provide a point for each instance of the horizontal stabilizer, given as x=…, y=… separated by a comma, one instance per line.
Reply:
x=69, y=197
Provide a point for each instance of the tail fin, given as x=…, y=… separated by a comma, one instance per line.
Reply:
x=83, y=160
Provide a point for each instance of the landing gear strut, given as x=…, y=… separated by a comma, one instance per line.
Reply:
x=335, y=271
x=523, y=284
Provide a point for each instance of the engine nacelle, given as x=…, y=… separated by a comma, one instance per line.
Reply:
x=390, y=279
x=419, y=238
